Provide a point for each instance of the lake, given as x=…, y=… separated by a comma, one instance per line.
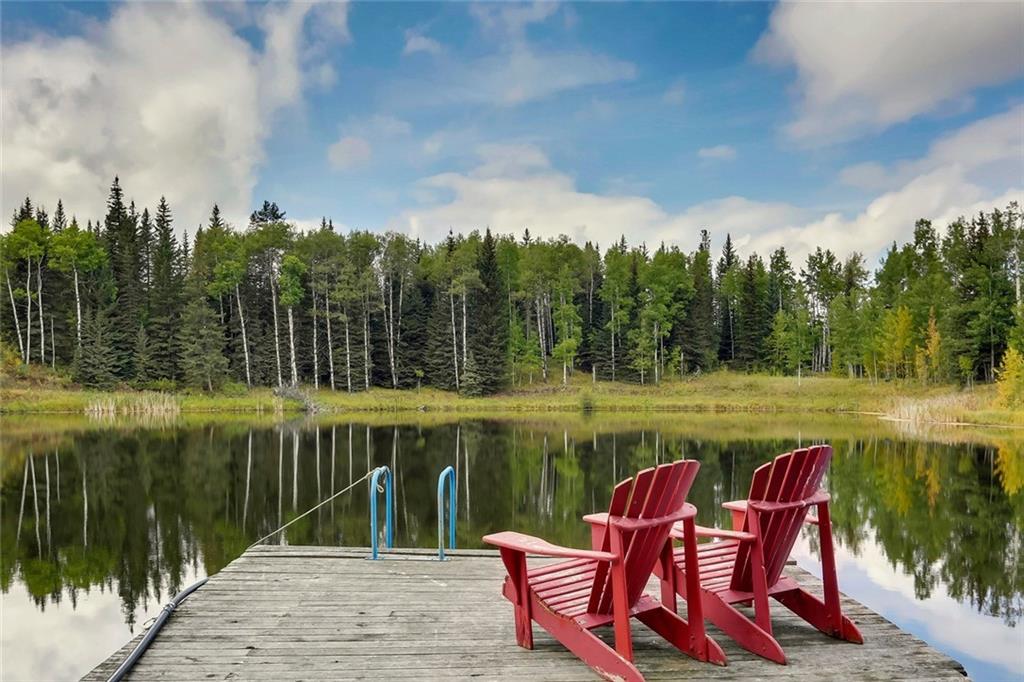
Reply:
x=102, y=522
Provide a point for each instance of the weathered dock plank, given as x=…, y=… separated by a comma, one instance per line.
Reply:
x=312, y=613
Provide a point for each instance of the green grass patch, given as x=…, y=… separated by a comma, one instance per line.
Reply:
x=716, y=392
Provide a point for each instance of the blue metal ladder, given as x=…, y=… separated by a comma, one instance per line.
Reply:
x=447, y=475
x=389, y=487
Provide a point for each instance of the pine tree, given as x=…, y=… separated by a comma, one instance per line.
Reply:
x=727, y=281
x=697, y=338
x=165, y=311
x=120, y=234
x=489, y=320
x=201, y=341
x=143, y=358
x=60, y=221
x=440, y=371
x=473, y=379
x=94, y=364
x=753, y=316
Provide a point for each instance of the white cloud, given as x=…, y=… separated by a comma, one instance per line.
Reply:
x=417, y=42
x=521, y=74
x=349, y=152
x=989, y=147
x=360, y=137
x=862, y=67
x=720, y=152
x=511, y=18
x=167, y=96
x=675, y=93
x=517, y=72
x=515, y=186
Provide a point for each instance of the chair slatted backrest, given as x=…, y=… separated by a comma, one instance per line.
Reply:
x=652, y=493
x=790, y=477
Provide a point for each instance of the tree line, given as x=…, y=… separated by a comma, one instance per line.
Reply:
x=123, y=301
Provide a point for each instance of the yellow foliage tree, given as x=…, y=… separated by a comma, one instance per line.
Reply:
x=1010, y=383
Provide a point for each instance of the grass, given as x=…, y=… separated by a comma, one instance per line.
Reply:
x=716, y=392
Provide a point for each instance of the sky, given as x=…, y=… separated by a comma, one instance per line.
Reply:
x=792, y=125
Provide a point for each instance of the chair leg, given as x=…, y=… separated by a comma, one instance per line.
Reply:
x=815, y=612
x=591, y=649
x=515, y=563
x=741, y=629
x=682, y=635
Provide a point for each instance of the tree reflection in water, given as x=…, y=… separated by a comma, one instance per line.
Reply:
x=130, y=509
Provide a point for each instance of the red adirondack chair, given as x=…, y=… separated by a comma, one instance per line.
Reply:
x=746, y=564
x=605, y=585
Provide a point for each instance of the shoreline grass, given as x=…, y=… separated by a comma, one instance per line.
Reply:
x=716, y=392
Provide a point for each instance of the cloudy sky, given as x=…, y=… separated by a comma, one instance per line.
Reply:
x=787, y=124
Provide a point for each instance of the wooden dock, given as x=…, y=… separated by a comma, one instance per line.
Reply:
x=313, y=613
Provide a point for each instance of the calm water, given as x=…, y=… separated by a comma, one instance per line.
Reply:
x=102, y=523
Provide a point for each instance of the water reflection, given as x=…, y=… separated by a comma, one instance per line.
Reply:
x=94, y=511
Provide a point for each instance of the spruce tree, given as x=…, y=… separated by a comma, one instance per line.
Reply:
x=489, y=321
x=120, y=235
x=143, y=358
x=727, y=281
x=165, y=308
x=94, y=364
x=201, y=341
x=697, y=338
x=438, y=366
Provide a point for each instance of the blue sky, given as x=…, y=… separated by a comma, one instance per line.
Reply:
x=782, y=124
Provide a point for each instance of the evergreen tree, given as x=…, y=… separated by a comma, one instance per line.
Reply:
x=201, y=341
x=489, y=322
x=95, y=364
x=698, y=338
x=120, y=235
x=753, y=315
x=728, y=283
x=143, y=358
x=165, y=310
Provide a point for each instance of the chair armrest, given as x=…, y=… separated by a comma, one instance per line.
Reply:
x=598, y=519
x=703, y=532
x=534, y=545
x=816, y=498
x=738, y=512
x=688, y=511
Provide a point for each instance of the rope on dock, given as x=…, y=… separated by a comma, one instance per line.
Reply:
x=271, y=534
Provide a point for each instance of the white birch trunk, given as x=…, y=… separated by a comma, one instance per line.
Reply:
x=39, y=305
x=455, y=340
x=388, y=303
x=613, y=339
x=465, y=346
x=245, y=339
x=277, y=334
x=17, y=323
x=330, y=342
x=28, y=314
x=348, y=358
x=366, y=342
x=316, y=348
x=291, y=347
x=78, y=309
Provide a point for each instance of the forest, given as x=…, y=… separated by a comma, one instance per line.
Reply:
x=125, y=302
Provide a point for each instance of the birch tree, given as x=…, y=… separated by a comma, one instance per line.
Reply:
x=77, y=252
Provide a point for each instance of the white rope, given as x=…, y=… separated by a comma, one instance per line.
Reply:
x=310, y=511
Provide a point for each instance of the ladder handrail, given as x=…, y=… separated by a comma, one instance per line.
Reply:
x=447, y=475
x=389, y=531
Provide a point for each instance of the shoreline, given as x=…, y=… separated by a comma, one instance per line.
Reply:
x=717, y=393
